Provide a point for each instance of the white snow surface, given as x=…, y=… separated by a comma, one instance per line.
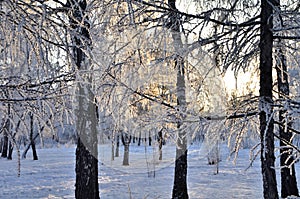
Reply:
x=53, y=175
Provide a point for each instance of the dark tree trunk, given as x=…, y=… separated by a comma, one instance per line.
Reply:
x=32, y=142
x=118, y=146
x=288, y=174
x=126, y=139
x=1, y=144
x=150, y=139
x=86, y=173
x=5, y=145
x=180, y=172
x=113, y=148
x=28, y=146
x=126, y=155
x=10, y=150
x=180, y=182
x=160, y=143
x=140, y=138
x=5, y=139
x=86, y=167
x=266, y=121
x=34, y=138
x=6, y=132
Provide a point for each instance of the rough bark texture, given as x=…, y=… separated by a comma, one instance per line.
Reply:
x=266, y=121
x=86, y=173
x=288, y=174
x=86, y=167
x=180, y=175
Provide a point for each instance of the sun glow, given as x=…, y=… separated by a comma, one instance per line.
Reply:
x=241, y=84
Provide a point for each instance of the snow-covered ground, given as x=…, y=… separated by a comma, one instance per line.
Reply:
x=53, y=175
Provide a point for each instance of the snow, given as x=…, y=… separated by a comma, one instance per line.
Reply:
x=53, y=175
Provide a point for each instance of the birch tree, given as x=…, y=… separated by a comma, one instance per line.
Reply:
x=180, y=172
x=86, y=121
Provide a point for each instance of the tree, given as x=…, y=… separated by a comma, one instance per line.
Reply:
x=5, y=139
x=288, y=173
x=180, y=172
x=32, y=141
x=160, y=143
x=86, y=122
x=31, y=61
x=266, y=101
x=126, y=139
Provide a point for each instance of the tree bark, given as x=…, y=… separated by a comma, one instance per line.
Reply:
x=180, y=172
x=5, y=139
x=118, y=146
x=126, y=139
x=140, y=138
x=10, y=150
x=160, y=143
x=32, y=142
x=1, y=144
x=34, y=138
x=5, y=145
x=86, y=167
x=288, y=174
x=266, y=121
x=150, y=139
x=28, y=146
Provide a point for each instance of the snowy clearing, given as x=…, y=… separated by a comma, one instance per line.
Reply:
x=53, y=175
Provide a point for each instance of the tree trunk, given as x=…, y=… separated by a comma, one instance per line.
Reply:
x=10, y=150
x=150, y=139
x=140, y=138
x=160, y=143
x=5, y=146
x=28, y=146
x=86, y=167
x=5, y=139
x=34, y=138
x=1, y=144
x=86, y=173
x=126, y=155
x=32, y=142
x=288, y=174
x=6, y=132
x=180, y=175
x=113, y=148
x=266, y=121
x=126, y=139
x=118, y=146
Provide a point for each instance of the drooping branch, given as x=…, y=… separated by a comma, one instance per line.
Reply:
x=204, y=16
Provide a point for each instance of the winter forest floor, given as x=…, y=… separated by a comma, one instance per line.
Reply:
x=53, y=175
